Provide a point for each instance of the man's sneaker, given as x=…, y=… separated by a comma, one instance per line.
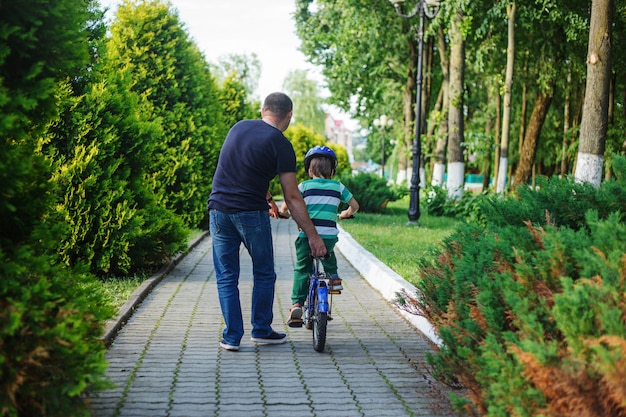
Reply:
x=273, y=339
x=295, y=316
x=334, y=283
x=226, y=346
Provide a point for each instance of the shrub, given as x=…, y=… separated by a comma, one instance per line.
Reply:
x=531, y=309
x=372, y=192
x=468, y=208
x=435, y=201
x=560, y=202
x=51, y=354
x=112, y=219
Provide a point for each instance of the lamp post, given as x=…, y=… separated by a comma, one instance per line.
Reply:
x=383, y=122
x=425, y=8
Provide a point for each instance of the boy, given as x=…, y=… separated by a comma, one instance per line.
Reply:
x=322, y=196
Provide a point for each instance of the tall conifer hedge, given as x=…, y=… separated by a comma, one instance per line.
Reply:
x=50, y=315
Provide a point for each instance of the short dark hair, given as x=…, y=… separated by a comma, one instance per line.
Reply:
x=322, y=166
x=278, y=103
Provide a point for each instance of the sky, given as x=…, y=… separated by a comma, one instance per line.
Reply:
x=224, y=27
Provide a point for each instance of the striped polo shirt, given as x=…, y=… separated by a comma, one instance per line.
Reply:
x=322, y=198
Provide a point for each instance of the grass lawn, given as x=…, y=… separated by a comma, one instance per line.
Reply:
x=397, y=245
x=120, y=289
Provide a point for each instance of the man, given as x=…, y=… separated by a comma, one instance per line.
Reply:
x=254, y=152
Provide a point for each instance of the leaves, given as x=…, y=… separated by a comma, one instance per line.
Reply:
x=149, y=43
x=532, y=317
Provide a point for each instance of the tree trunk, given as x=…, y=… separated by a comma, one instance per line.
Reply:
x=490, y=126
x=506, y=116
x=439, y=167
x=527, y=156
x=524, y=109
x=594, y=124
x=566, y=125
x=406, y=143
x=498, y=123
x=456, y=165
x=434, y=121
x=425, y=107
x=609, y=171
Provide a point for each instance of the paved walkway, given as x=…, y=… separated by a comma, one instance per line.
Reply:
x=166, y=361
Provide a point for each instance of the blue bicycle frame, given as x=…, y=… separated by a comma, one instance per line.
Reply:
x=319, y=283
x=322, y=299
x=317, y=306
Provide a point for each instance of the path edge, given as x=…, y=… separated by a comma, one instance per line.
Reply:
x=385, y=280
x=115, y=324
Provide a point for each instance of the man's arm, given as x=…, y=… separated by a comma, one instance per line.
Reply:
x=298, y=210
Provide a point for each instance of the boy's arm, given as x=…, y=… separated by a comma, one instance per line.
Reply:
x=284, y=211
x=353, y=207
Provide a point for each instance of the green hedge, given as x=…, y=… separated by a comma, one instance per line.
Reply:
x=531, y=308
x=51, y=355
x=371, y=191
x=101, y=175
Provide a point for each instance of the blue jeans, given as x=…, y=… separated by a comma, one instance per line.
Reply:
x=228, y=232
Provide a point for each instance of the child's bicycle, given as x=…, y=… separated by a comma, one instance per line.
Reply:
x=318, y=305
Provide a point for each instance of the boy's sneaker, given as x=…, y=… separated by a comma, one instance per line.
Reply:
x=274, y=338
x=226, y=346
x=334, y=283
x=295, y=316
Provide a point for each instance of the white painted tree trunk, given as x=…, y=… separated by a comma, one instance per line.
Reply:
x=456, y=179
x=589, y=168
x=456, y=129
x=506, y=116
x=403, y=175
x=594, y=123
x=502, y=171
x=438, y=172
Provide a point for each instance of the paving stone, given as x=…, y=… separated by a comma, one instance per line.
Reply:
x=168, y=362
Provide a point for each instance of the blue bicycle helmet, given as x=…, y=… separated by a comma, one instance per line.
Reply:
x=323, y=151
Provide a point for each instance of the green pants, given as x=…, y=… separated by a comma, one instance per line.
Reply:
x=304, y=266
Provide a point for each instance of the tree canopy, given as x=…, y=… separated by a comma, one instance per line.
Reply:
x=366, y=50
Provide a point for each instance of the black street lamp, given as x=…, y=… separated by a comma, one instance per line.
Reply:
x=425, y=8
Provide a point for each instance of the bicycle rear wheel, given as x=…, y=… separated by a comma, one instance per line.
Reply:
x=320, y=320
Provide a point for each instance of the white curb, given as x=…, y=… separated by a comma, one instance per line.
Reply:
x=383, y=279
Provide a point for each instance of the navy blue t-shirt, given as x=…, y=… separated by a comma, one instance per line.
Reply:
x=253, y=153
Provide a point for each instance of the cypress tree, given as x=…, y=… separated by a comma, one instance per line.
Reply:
x=103, y=149
x=149, y=43
x=50, y=315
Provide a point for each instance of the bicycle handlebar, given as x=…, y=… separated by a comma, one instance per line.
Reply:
x=328, y=255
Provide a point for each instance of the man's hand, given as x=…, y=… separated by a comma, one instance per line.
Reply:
x=318, y=249
x=273, y=209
